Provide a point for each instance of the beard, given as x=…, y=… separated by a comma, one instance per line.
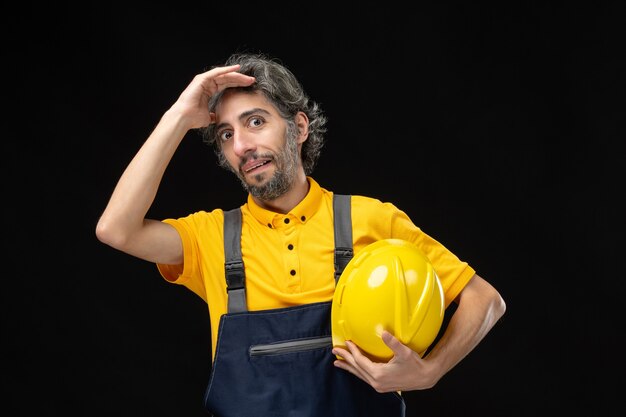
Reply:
x=286, y=169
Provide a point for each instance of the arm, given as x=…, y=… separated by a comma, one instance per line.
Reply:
x=480, y=306
x=123, y=224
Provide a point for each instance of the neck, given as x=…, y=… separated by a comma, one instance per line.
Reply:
x=286, y=202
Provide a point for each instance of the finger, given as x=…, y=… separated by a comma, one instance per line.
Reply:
x=362, y=360
x=228, y=76
x=347, y=361
x=362, y=363
x=214, y=72
x=220, y=78
x=339, y=351
x=233, y=79
x=400, y=350
x=347, y=364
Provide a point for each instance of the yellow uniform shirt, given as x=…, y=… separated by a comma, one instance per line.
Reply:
x=289, y=258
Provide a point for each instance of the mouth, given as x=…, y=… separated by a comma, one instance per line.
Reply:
x=255, y=166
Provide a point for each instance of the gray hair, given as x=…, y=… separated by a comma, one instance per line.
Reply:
x=281, y=88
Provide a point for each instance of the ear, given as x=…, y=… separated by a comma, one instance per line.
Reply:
x=302, y=122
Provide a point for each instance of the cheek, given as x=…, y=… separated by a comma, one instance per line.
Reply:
x=229, y=156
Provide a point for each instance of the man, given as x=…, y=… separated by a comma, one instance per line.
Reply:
x=267, y=269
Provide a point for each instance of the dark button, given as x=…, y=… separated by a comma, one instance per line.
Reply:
x=269, y=225
x=286, y=221
x=290, y=246
x=292, y=272
x=303, y=218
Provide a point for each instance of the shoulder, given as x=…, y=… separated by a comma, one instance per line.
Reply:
x=200, y=219
x=365, y=205
x=362, y=202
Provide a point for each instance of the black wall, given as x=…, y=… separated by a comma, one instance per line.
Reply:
x=499, y=130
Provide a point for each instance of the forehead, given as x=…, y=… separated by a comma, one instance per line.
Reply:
x=234, y=103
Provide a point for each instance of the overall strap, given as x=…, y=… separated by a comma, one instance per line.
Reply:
x=343, y=232
x=233, y=265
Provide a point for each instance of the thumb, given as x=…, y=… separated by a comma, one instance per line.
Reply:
x=399, y=349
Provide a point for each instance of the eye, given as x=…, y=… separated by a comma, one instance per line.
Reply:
x=255, y=122
x=224, y=135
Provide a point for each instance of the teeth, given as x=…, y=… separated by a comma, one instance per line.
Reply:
x=256, y=166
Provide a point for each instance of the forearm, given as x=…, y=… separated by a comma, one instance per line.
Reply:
x=137, y=187
x=480, y=307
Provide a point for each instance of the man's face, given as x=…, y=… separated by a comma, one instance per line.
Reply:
x=256, y=144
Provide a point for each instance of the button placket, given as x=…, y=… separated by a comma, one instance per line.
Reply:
x=292, y=260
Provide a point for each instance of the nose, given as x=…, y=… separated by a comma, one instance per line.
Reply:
x=242, y=143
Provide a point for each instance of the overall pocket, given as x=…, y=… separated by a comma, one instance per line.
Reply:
x=290, y=346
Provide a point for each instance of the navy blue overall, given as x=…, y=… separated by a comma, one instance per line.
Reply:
x=278, y=362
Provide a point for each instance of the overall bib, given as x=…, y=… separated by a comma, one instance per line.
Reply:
x=278, y=362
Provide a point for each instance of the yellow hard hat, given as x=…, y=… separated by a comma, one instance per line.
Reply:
x=390, y=285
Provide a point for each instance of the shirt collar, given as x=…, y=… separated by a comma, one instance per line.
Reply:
x=301, y=213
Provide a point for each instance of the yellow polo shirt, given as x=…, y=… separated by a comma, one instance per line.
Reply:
x=289, y=257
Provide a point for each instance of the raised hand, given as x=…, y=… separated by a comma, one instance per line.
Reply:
x=192, y=104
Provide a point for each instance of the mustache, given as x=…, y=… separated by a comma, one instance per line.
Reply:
x=253, y=156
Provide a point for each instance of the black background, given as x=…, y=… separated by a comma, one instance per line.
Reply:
x=498, y=129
